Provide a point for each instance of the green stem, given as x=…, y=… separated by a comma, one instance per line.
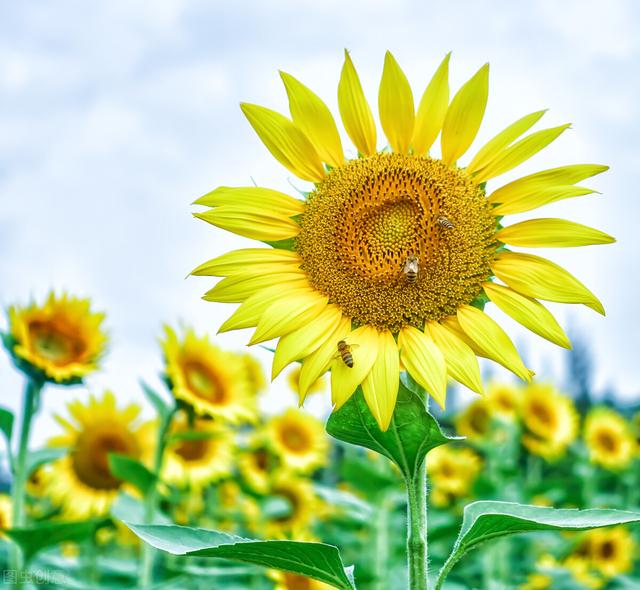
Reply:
x=381, y=556
x=151, y=501
x=29, y=401
x=417, y=529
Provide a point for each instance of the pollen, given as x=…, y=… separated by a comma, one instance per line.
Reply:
x=365, y=219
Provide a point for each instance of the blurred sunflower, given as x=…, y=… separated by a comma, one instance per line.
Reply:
x=61, y=340
x=611, y=550
x=302, y=507
x=257, y=464
x=474, y=421
x=213, y=382
x=298, y=439
x=255, y=373
x=289, y=581
x=395, y=252
x=234, y=509
x=452, y=472
x=202, y=452
x=537, y=581
x=81, y=482
x=549, y=419
x=502, y=400
x=609, y=439
x=6, y=513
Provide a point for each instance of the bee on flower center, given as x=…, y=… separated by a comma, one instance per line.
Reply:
x=411, y=269
x=444, y=222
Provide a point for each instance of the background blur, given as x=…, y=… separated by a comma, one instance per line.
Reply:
x=115, y=116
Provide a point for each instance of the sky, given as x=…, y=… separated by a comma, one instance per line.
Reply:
x=115, y=116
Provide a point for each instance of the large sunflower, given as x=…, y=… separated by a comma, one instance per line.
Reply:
x=214, y=382
x=61, y=340
x=609, y=439
x=81, y=482
x=204, y=453
x=298, y=439
x=395, y=252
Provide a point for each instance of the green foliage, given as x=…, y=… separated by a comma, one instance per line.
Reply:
x=6, y=424
x=484, y=521
x=314, y=560
x=162, y=407
x=132, y=471
x=412, y=434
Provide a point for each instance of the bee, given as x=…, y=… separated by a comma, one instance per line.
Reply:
x=411, y=269
x=444, y=222
x=344, y=351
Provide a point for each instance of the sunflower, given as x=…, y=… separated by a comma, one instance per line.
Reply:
x=550, y=421
x=257, y=464
x=214, y=382
x=502, y=400
x=452, y=472
x=298, y=439
x=395, y=252
x=81, y=482
x=302, y=507
x=61, y=340
x=203, y=454
x=290, y=581
x=474, y=421
x=611, y=550
x=6, y=513
x=609, y=439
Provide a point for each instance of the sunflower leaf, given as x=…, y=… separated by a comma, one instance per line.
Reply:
x=46, y=534
x=162, y=407
x=412, y=434
x=132, y=471
x=36, y=459
x=488, y=520
x=6, y=424
x=313, y=560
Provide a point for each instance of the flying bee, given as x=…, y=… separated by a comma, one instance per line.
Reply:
x=344, y=352
x=444, y=222
x=411, y=269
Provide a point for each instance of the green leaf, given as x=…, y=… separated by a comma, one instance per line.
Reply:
x=131, y=470
x=313, y=560
x=163, y=408
x=35, y=538
x=350, y=504
x=36, y=459
x=484, y=521
x=413, y=432
x=6, y=424
x=129, y=509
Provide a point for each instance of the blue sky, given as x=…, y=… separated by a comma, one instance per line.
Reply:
x=115, y=115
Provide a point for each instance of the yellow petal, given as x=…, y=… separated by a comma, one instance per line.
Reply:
x=345, y=380
x=302, y=342
x=462, y=363
x=395, y=104
x=237, y=288
x=380, y=386
x=494, y=146
x=318, y=362
x=528, y=312
x=487, y=334
x=249, y=313
x=464, y=116
x=552, y=233
x=256, y=225
x=247, y=259
x=354, y=109
x=313, y=117
x=424, y=361
x=285, y=141
x=288, y=314
x=519, y=152
x=252, y=198
x=432, y=109
x=562, y=176
x=535, y=198
x=540, y=278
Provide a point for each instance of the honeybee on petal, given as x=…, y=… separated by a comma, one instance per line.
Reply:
x=411, y=269
x=344, y=352
x=444, y=222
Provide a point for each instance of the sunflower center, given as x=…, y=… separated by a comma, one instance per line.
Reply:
x=194, y=450
x=608, y=550
x=295, y=439
x=55, y=343
x=608, y=441
x=542, y=414
x=204, y=383
x=364, y=222
x=261, y=459
x=292, y=499
x=91, y=455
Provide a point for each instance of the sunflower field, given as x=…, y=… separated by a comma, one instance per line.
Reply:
x=374, y=286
